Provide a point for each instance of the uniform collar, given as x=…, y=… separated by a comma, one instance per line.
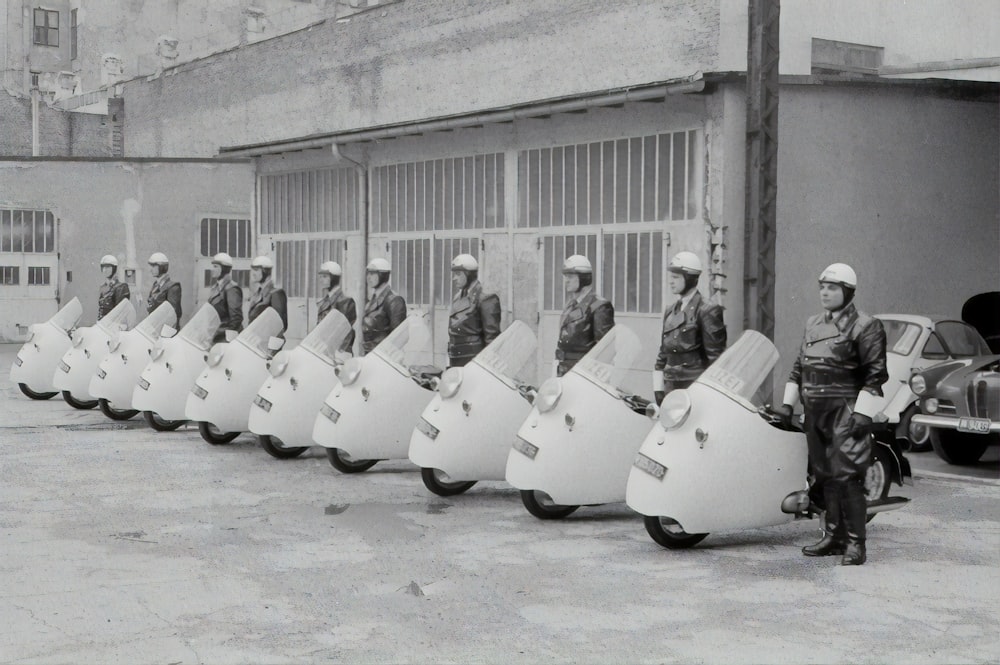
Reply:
x=379, y=290
x=333, y=293
x=582, y=294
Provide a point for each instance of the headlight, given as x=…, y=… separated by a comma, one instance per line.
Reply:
x=215, y=355
x=279, y=364
x=451, y=381
x=918, y=384
x=156, y=351
x=350, y=371
x=548, y=395
x=674, y=409
x=77, y=338
x=930, y=405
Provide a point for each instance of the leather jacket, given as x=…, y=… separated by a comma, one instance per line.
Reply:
x=165, y=290
x=264, y=296
x=227, y=299
x=473, y=322
x=582, y=324
x=691, y=339
x=335, y=299
x=384, y=311
x=112, y=292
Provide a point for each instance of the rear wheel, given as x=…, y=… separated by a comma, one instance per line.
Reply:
x=344, y=463
x=960, y=448
x=214, y=435
x=543, y=507
x=33, y=395
x=878, y=478
x=277, y=449
x=161, y=424
x=668, y=533
x=116, y=414
x=441, y=483
x=78, y=403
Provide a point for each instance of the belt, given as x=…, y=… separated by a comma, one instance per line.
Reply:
x=464, y=339
x=562, y=354
x=683, y=359
x=812, y=376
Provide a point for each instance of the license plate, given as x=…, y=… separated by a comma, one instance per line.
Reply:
x=18, y=361
x=330, y=412
x=200, y=392
x=427, y=429
x=974, y=425
x=262, y=403
x=144, y=384
x=529, y=450
x=101, y=374
x=63, y=366
x=650, y=466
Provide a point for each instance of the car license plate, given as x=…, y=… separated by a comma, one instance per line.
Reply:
x=650, y=466
x=200, y=392
x=974, y=425
x=101, y=374
x=529, y=450
x=18, y=361
x=144, y=384
x=427, y=429
x=63, y=366
x=330, y=412
x=262, y=403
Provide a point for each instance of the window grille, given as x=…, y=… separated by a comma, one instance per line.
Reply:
x=10, y=275
x=632, y=271
x=411, y=270
x=309, y=201
x=46, y=27
x=38, y=275
x=297, y=264
x=29, y=231
x=231, y=236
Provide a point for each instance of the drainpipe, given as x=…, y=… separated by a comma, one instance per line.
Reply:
x=362, y=171
x=35, y=151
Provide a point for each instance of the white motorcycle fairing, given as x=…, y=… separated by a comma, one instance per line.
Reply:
x=223, y=393
x=117, y=373
x=166, y=380
x=38, y=359
x=90, y=345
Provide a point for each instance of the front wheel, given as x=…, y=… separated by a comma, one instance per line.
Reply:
x=33, y=395
x=214, y=435
x=441, y=484
x=344, y=463
x=276, y=448
x=161, y=424
x=543, y=507
x=960, y=448
x=668, y=533
x=82, y=404
x=918, y=437
x=116, y=414
x=878, y=478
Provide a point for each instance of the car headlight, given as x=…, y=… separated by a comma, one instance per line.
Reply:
x=451, y=381
x=216, y=354
x=77, y=338
x=548, y=395
x=674, y=409
x=279, y=364
x=918, y=384
x=929, y=405
x=350, y=371
x=156, y=351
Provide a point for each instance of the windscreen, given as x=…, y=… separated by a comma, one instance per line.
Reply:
x=150, y=326
x=609, y=360
x=509, y=354
x=743, y=370
x=260, y=330
x=900, y=336
x=963, y=341
x=67, y=317
x=200, y=330
x=328, y=336
x=409, y=344
x=118, y=319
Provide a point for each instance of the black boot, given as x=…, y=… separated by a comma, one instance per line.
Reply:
x=855, y=507
x=832, y=542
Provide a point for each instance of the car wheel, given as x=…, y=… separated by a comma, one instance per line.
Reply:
x=543, y=507
x=161, y=424
x=277, y=449
x=668, y=533
x=113, y=413
x=960, y=448
x=82, y=404
x=33, y=395
x=918, y=437
x=441, y=483
x=214, y=435
x=344, y=463
x=878, y=478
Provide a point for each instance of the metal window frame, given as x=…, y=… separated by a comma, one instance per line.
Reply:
x=45, y=27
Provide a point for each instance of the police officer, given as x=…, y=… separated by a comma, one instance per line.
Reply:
x=693, y=332
x=164, y=289
x=385, y=310
x=264, y=292
x=226, y=296
x=839, y=375
x=474, y=319
x=330, y=274
x=586, y=318
x=112, y=291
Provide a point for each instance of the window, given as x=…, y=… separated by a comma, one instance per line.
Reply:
x=46, y=27
x=38, y=275
x=631, y=275
x=445, y=249
x=297, y=262
x=10, y=275
x=231, y=236
x=35, y=79
x=934, y=348
x=963, y=341
x=73, y=34
x=29, y=231
x=309, y=201
x=411, y=268
x=555, y=250
x=900, y=336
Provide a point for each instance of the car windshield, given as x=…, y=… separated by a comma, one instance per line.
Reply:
x=256, y=335
x=328, y=336
x=742, y=371
x=67, y=317
x=607, y=363
x=409, y=344
x=200, y=330
x=509, y=354
x=150, y=326
x=961, y=340
x=900, y=336
x=118, y=319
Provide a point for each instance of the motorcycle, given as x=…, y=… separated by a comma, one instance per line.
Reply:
x=718, y=458
x=90, y=345
x=175, y=362
x=369, y=415
x=578, y=442
x=221, y=396
x=286, y=404
x=114, y=381
x=465, y=433
x=36, y=361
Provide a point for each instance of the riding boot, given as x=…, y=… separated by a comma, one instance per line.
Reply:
x=832, y=542
x=855, y=507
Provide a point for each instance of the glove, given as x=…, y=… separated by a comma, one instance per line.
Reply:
x=784, y=413
x=658, y=396
x=859, y=425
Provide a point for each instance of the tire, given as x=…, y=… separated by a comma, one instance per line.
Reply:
x=437, y=481
x=668, y=533
x=344, y=463
x=28, y=392
x=960, y=448
x=918, y=437
x=275, y=448
x=541, y=505
x=214, y=435
x=116, y=414
x=161, y=424
x=878, y=478
x=82, y=404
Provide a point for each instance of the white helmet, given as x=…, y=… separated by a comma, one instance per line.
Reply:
x=685, y=263
x=378, y=265
x=262, y=262
x=158, y=259
x=223, y=259
x=465, y=262
x=109, y=260
x=331, y=268
x=577, y=265
x=840, y=273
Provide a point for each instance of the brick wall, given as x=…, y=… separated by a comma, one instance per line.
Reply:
x=60, y=133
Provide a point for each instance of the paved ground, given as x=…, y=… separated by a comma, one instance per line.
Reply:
x=122, y=545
